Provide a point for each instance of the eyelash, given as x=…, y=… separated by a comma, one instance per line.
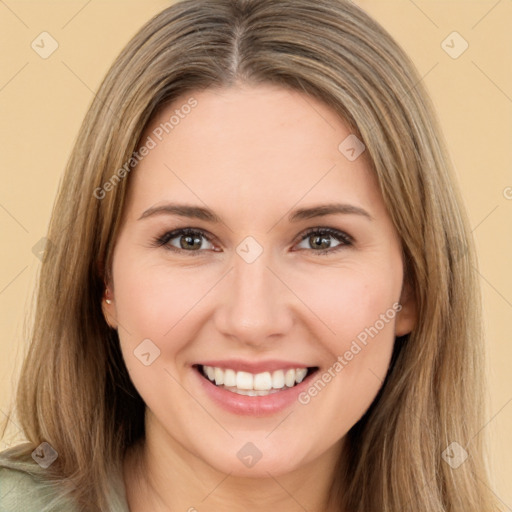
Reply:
x=163, y=240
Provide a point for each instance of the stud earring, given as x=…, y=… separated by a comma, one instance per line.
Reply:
x=108, y=301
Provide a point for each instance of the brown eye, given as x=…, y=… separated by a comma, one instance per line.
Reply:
x=319, y=240
x=188, y=240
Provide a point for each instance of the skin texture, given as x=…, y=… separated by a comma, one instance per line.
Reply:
x=252, y=154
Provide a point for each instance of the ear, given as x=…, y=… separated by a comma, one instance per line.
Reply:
x=407, y=317
x=108, y=306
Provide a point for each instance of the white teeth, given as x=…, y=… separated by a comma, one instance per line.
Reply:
x=244, y=380
x=278, y=379
x=229, y=377
x=252, y=392
x=210, y=372
x=300, y=374
x=219, y=376
x=263, y=381
x=259, y=384
x=289, y=378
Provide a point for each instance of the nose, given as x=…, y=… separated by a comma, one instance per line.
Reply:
x=255, y=307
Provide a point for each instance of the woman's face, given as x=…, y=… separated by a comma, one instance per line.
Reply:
x=292, y=266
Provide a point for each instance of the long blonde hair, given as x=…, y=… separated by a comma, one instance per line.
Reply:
x=75, y=392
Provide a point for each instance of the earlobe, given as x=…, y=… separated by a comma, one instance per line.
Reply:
x=407, y=317
x=109, y=310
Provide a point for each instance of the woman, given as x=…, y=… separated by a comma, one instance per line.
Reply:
x=321, y=348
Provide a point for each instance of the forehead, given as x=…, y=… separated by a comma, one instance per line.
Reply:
x=249, y=145
x=249, y=120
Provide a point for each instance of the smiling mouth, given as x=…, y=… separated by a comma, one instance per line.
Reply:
x=260, y=384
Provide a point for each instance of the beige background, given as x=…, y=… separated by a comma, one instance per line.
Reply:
x=43, y=101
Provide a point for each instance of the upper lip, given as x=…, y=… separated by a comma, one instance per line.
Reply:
x=255, y=367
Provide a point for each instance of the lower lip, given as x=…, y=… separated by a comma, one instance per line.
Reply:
x=251, y=405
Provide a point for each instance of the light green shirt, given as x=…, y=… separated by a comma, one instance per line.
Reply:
x=23, y=488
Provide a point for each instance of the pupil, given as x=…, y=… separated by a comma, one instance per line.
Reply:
x=324, y=241
x=187, y=242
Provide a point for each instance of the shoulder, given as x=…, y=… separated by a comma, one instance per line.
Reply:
x=24, y=488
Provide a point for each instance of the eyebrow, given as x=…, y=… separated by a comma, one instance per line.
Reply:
x=198, y=212
x=327, y=209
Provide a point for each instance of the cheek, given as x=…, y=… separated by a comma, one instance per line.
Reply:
x=347, y=302
x=156, y=302
x=154, y=296
x=359, y=309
